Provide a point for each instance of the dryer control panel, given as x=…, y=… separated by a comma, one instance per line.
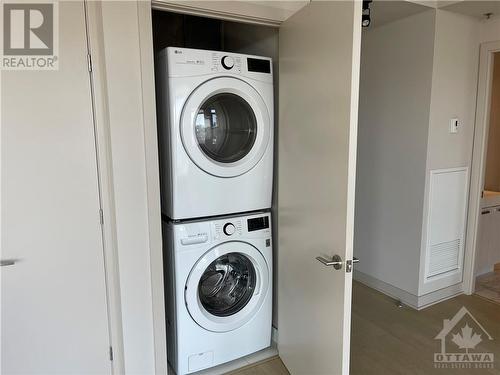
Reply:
x=186, y=62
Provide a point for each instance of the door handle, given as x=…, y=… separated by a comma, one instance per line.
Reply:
x=336, y=262
x=7, y=262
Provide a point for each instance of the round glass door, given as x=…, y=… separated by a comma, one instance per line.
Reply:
x=226, y=128
x=227, y=284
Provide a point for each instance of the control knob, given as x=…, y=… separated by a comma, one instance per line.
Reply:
x=229, y=229
x=227, y=62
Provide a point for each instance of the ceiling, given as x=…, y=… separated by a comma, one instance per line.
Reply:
x=475, y=8
x=386, y=11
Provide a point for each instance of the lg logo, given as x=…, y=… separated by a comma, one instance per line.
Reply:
x=28, y=29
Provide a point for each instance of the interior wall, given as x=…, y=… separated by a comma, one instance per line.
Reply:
x=187, y=31
x=492, y=175
x=395, y=94
x=489, y=30
x=454, y=86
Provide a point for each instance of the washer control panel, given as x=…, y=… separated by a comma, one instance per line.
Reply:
x=234, y=227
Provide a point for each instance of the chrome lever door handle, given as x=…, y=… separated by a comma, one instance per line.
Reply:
x=7, y=262
x=336, y=262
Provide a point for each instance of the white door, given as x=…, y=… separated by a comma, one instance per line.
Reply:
x=319, y=53
x=53, y=296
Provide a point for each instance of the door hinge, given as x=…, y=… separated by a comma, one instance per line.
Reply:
x=89, y=62
x=101, y=217
x=110, y=353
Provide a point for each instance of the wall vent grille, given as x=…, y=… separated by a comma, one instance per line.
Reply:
x=444, y=257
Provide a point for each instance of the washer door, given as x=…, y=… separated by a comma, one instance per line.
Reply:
x=227, y=286
x=225, y=127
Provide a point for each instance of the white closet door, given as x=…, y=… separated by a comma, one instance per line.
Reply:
x=319, y=51
x=53, y=298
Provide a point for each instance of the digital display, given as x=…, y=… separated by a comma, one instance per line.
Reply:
x=258, y=223
x=258, y=65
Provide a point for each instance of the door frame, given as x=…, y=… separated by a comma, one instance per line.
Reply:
x=106, y=191
x=145, y=26
x=483, y=104
x=101, y=112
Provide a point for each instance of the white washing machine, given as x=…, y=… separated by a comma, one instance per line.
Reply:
x=218, y=290
x=216, y=132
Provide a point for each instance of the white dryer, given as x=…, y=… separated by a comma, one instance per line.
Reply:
x=218, y=290
x=216, y=132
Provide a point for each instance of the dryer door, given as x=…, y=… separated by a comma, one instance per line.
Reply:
x=227, y=286
x=225, y=127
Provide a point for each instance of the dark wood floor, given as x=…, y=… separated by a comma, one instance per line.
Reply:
x=388, y=340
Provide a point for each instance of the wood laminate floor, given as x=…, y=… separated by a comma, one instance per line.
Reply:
x=488, y=286
x=389, y=340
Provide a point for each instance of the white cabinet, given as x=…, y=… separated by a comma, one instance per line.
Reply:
x=488, y=250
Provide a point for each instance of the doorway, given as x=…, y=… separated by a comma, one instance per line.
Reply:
x=487, y=264
x=415, y=158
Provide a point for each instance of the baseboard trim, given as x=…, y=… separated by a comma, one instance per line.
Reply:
x=440, y=295
x=407, y=298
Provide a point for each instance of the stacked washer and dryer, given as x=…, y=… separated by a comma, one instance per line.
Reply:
x=216, y=161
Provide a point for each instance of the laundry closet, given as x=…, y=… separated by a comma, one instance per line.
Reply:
x=215, y=91
x=218, y=230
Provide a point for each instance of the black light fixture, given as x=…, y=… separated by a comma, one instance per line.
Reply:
x=365, y=18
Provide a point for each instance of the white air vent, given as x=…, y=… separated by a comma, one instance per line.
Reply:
x=444, y=258
x=446, y=224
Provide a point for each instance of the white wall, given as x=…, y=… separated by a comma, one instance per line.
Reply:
x=454, y=85
x=489, y=30
x=395, y=93
x=417, y=73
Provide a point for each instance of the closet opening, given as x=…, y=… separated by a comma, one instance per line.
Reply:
x=217, y=111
